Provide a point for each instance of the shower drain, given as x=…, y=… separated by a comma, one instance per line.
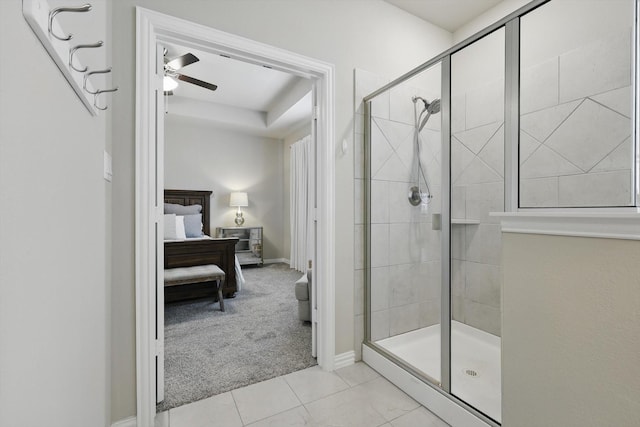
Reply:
x=471, y=373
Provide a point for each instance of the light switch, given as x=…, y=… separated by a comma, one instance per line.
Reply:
x=108, y=171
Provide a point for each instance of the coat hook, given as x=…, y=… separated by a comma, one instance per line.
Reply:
x=98, y=92
x=87, y=75
x=55, y=11
x=73, y=50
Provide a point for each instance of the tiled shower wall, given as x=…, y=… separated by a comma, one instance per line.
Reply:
x=477, y=177
x=575, y=141
x=405, y=258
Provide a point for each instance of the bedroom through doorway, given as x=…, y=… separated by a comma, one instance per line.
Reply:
x=241, y=130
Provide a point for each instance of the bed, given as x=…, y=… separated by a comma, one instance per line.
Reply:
x=199, y=251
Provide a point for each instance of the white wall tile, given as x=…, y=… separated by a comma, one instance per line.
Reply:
x=379, y=325
x=596, y=189
x=404, y=319
x=461, y=156
x=395, y=132
x=403, y=289
x=379, y=209
x=618, y=159
x=484, y=244
x=539, y=192
x=458, y=277
x=477, y=173
x=528, y=145
x=358, y=247
x=476, y=138
x=609, y=67
x=380, y=148
x=589, y=134
x=358, y=201
x=379, y=245
x=483, y=283
x=358, y=297
x=545, y=162
x=482, y=316
x=458, y=201
x=485, y=105
x=358, y=156
x=539, y=86
x=458, y=113
x=380, y=288
x=399, y=206
x=429, y=313
x=493, y=152
x=427, y=279
x=400, y=237
x=401, y=105
x=619, y=100
x=541, y=124
x=393, y=170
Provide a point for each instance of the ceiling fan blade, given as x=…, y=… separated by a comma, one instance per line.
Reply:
x=182, y=61
x=196, y=82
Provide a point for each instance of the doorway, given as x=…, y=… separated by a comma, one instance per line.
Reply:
x=152, y=29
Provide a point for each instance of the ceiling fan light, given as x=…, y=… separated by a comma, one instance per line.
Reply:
x=169, y=84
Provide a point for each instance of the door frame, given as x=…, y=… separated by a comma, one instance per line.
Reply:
x=153, y=28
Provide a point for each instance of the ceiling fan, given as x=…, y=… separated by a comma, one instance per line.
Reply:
x=171, y=73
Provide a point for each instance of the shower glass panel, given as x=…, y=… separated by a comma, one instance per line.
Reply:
x=477, y=188
x=576, y=145
x=405, y=196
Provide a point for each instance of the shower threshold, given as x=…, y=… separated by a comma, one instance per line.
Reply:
x=475, y=362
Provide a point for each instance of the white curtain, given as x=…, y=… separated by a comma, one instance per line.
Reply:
x=301, y=203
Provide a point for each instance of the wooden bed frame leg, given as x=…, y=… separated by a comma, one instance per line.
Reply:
x=220, y=298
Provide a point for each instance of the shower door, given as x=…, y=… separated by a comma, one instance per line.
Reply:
x=404, y=191
x=477, y=188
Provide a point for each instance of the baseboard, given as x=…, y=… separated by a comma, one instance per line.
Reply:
x=345, y=359
x=276, y=261
x=127, y=422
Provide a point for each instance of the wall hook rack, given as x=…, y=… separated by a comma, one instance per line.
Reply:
x=41, y=18
x=89, y=74
x=57, y=10
x=98, y=92
x=73, y=50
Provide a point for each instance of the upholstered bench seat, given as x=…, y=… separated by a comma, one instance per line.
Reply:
x=196, y=274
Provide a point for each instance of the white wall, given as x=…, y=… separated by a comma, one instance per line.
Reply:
x=371, y=35
x=54, y=301
x=201, y=156
x=570, y=331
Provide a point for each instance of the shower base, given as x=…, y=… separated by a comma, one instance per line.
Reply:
x=475, y=362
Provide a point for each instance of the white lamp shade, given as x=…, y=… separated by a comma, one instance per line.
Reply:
x=238, y=199
x=169, y=84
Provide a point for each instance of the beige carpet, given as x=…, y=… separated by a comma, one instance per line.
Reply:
x=258, y=337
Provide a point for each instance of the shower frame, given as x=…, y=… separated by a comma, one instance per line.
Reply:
x=372, y=353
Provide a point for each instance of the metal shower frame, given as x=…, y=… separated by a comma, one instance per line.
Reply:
x=511, y=25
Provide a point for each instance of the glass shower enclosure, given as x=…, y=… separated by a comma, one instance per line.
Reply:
x=487, y=127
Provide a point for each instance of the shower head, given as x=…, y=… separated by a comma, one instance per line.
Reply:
x=433, y=107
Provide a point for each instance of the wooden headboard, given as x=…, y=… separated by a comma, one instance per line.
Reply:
x=192, y=197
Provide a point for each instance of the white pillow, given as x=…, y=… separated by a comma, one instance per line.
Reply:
x=180, y=232
x=170, y=227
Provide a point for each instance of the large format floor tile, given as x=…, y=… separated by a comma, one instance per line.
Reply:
x=264, y=399
x=354, y=396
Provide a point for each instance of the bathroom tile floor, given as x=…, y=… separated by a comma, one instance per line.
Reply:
x=355, y=396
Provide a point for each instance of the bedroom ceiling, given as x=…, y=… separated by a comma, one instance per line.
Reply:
x=270, y=103
x=252, y=98
x=448, y=14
